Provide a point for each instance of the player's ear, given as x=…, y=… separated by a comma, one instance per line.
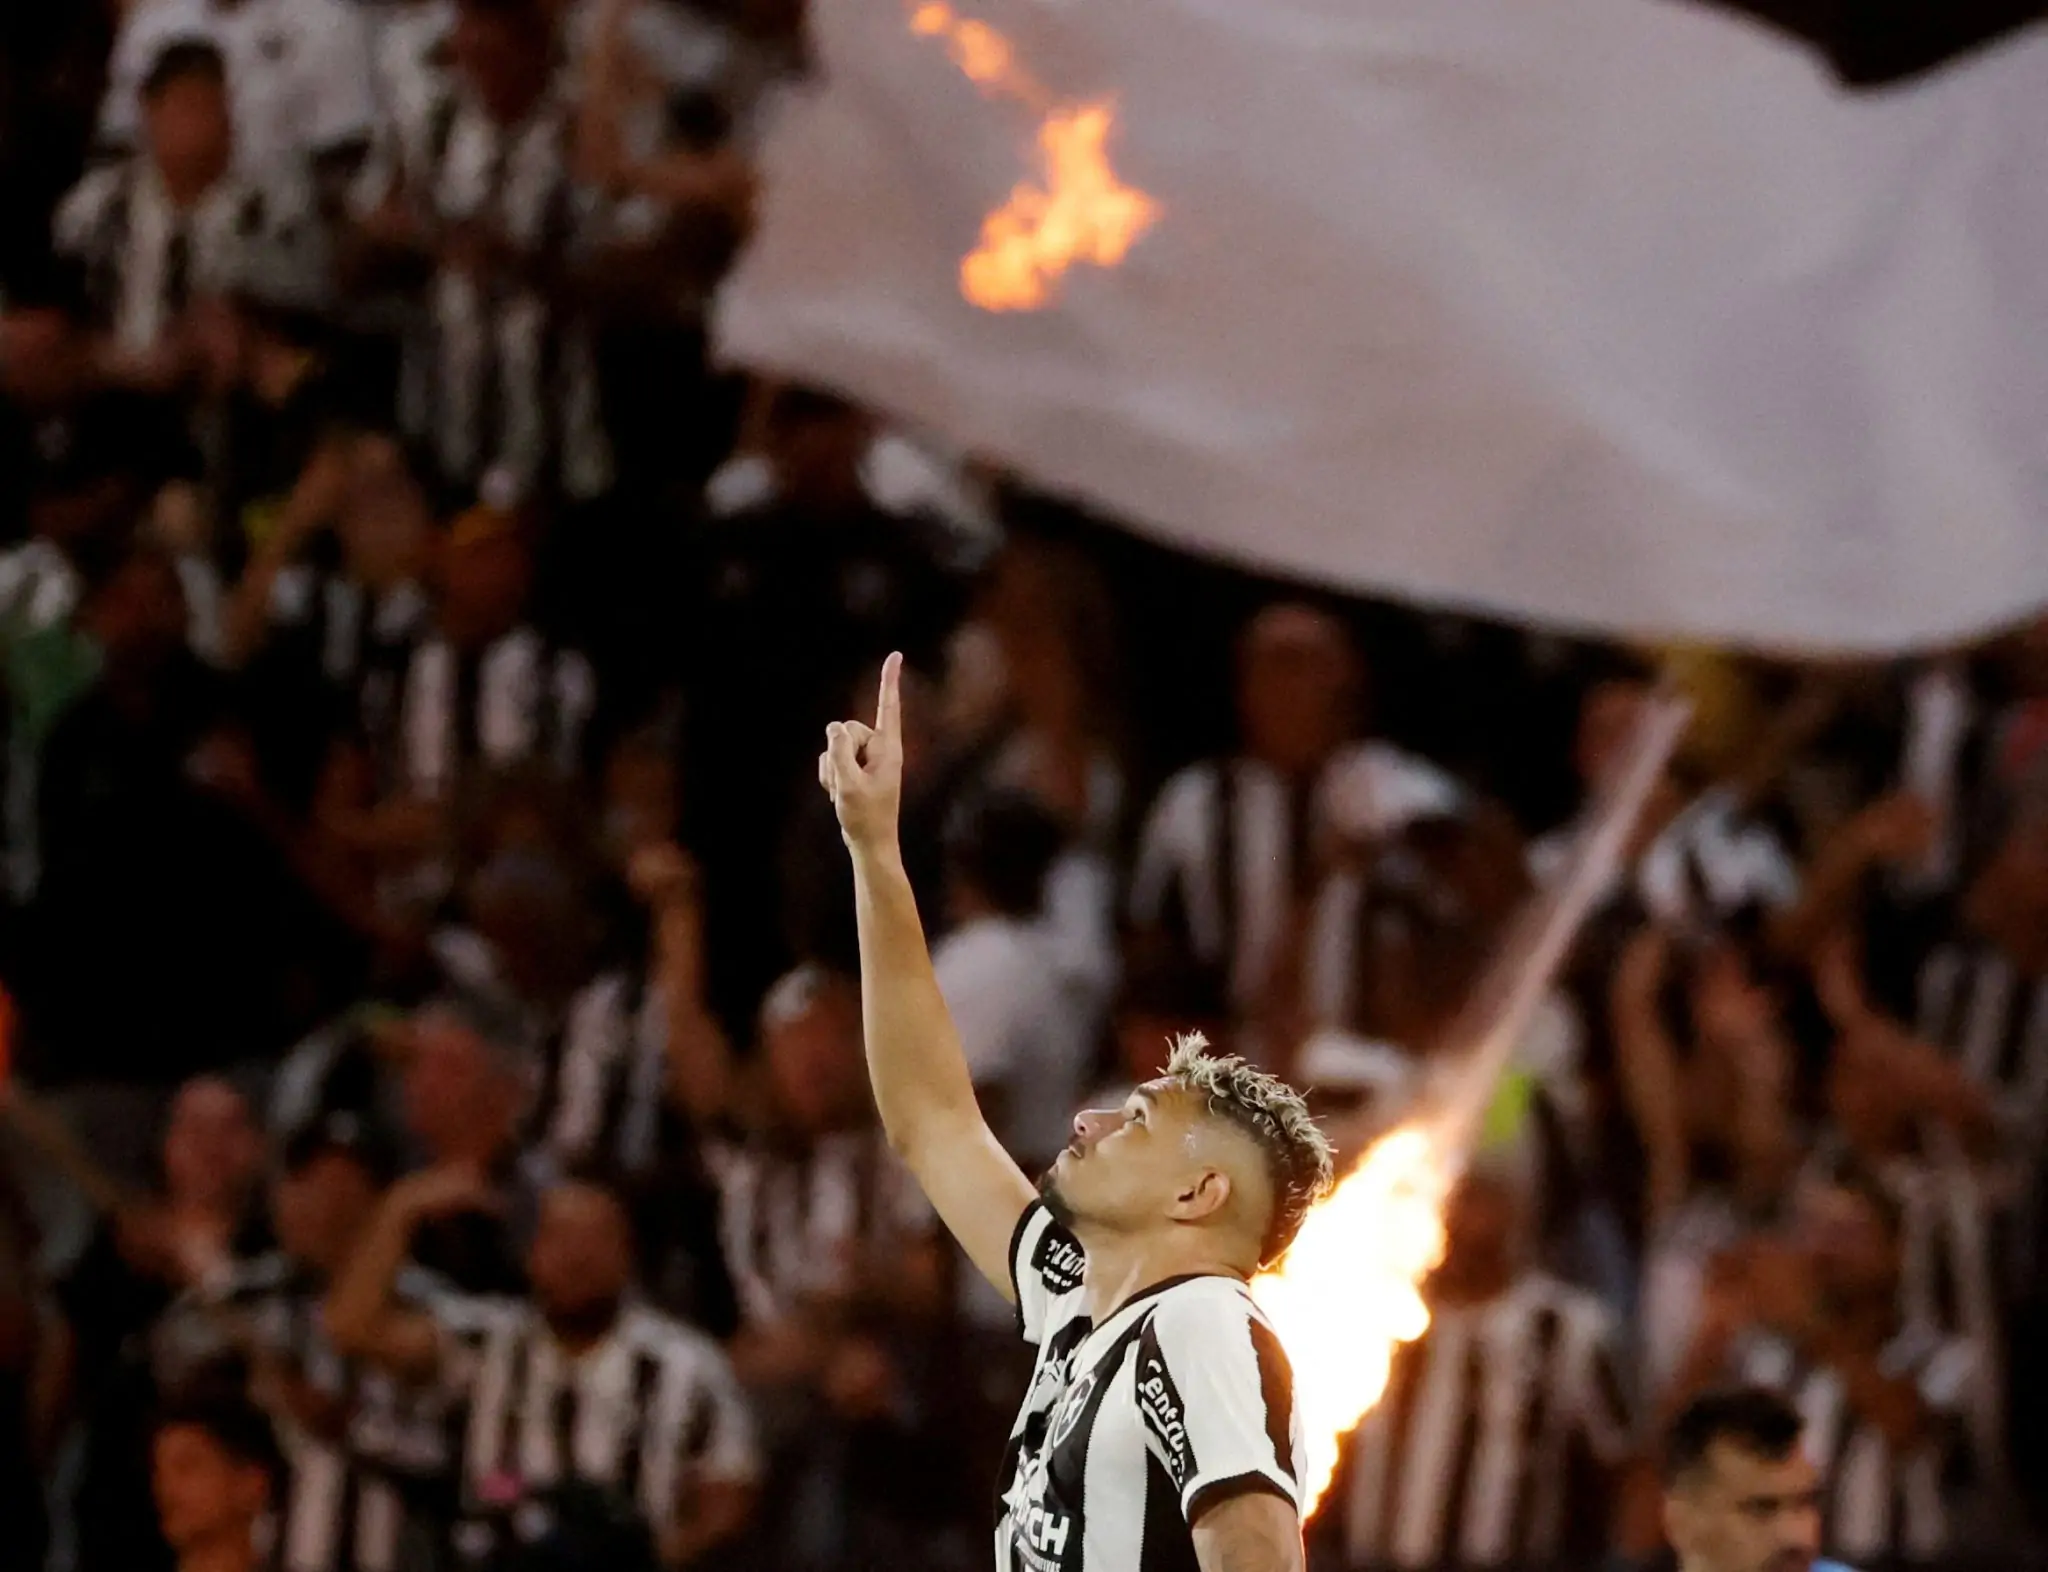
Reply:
x=1203, y=1195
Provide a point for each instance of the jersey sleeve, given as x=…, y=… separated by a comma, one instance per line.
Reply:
x=1216, y=1397
x=1045, y=1268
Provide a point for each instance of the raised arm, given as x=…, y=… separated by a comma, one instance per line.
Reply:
x=922, y=1087
x=363, y=1317
x=1648, y=1066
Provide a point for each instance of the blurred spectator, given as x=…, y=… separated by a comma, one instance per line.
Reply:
x=465, y=1098
x=297, y=73
x=93, y=467
x=1814, y=1311
x=501, y=372
x=1506, y=1426
x=484, y=686
x=180, y=1232
x=583, y=1383
x=1027, y=1023
x=174, y=224
x=1401, y=935
x=163, y=858
x=215, y=1465
x=328, y=610
x=840, y=1276
x=1231, y=850
x=598, y=1036
x=1717, y=1124
x=365, y=1472
x=482, y=692
x=1057, y=727
x=1968, y=970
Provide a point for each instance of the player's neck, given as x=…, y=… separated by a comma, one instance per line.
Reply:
x=1121, y=1267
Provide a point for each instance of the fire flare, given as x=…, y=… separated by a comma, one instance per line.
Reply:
x=1075, y=210
x=1348, y=1293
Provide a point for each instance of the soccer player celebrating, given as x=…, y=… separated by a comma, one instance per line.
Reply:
x=1159, y=1431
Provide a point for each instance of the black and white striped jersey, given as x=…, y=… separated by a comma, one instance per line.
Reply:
x=1881, y=1505
x=792, y=1221
x=379, y=1465
x=1926, y=965
x=146, y=260
x=652, y=1411
x=600, y=1064
x=519, y=699
x=1230, y=848
x=500, y=374
x=1971, y=1000
x=352, y=637
x=1493, y=1442
x=1179, y=1399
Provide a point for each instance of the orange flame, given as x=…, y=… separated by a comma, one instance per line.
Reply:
x=1349, y=1291
x=1077, y=210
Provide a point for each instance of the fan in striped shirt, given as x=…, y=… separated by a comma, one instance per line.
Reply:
x=366, y=1460
x=168, y=227
x=326, y=613
x=1970, y=973
x=1504, y=1427
x=484, y=688
x=1227, y=863
x=581, y=1383
x=500, y=373
x=480, y=695
x=598, y=1036
x=1815, y=1315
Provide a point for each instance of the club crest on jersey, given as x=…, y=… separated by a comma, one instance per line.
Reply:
x=1059, y=1261
x=1072, y=1407
x=1166, y=1418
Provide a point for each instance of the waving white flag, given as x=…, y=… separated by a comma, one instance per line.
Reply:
x=1617, y=314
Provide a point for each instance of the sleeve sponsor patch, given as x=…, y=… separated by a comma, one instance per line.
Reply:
x=1058, y=1260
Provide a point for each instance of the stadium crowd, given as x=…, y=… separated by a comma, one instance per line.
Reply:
x=437, y=1133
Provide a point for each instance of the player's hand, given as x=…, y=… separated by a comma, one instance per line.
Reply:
x=861, y=768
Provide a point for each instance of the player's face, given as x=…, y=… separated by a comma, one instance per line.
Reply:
x=1124, y=1166
x=202, y=1494
x=1747, y=1513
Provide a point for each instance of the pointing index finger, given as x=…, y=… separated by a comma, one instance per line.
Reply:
x=889, y=707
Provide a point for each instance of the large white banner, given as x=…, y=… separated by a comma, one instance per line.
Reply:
x=1616, y=314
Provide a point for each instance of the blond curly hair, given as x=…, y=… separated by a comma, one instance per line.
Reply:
x=1299, y=1160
